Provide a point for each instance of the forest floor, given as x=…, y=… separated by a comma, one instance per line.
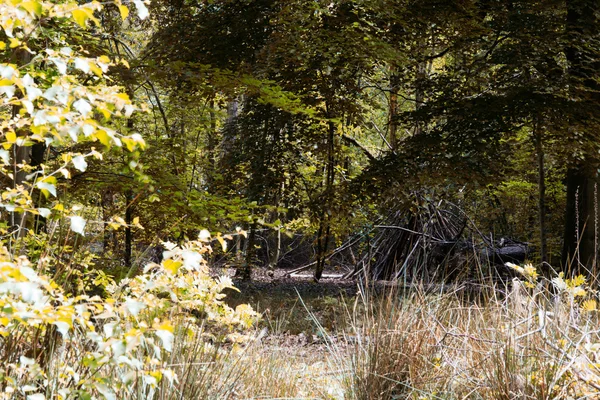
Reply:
x=329, y=340
x=304, y=323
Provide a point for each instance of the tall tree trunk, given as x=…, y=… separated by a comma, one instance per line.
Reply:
x=393, y=110
x=326, y=213
x=38, y=152
x=211, y=144
x=128, y=231
x=537, y=137
x=129, y=211
x=582, y=176
x=106, y=201
x=21, y=156
x=244, y=271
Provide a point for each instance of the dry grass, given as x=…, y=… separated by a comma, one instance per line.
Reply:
x=263, y=368
x=511, y=343
x=527, y=344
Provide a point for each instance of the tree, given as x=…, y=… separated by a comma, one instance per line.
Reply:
x=580, y=252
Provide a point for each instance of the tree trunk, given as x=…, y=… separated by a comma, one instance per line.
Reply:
x=244, y=271
x=393, y=110
x=539, y=148
x=211, y=144
x=579, y=234
x=38, y=152
x=107, y=205
x=326, y=213
x=21, y=156
x=128, y=231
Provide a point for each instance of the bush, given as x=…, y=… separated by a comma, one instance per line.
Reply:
x=58, y=346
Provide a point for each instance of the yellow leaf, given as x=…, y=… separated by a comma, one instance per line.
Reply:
x=14, y=42
x=223, y=242
x=124, y=11
x=129, y=143
x=136, y=223
x=2, y=45
x=164, y=326
x=49, y=179
x=11, y=137
x=172, y=266
x=104, y=59
x=81, y=16
x=33, y=7
x=94, y=68
x=103, y=137
x=104, y=111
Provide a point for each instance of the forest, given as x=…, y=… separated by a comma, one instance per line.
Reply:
x=311, y=199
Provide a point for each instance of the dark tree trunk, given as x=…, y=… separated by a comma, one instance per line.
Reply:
x=211, y=144
x=582, y=57
x=107, y=205
x=21, y=155
x=393, y=109
x=326, y=213
x=539, y=148
x=38, y=152
x=244, y=271
x=128, y=231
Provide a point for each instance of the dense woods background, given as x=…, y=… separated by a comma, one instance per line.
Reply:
x=375, y=135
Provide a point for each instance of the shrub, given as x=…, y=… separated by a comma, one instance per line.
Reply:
x=59, y=346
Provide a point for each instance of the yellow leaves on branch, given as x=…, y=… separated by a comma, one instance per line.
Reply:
x=55, y=107
x=14, y=19
x=63, y=110
x=130, y=332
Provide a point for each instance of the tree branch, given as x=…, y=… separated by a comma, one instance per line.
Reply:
x=354, y=142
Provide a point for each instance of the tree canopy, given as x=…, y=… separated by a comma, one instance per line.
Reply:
x=311, y=118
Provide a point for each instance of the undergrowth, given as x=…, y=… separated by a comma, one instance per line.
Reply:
x=533, y=339
x=167, y=334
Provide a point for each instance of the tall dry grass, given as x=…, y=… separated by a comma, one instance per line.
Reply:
x=252, y=370
x=522, y=341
